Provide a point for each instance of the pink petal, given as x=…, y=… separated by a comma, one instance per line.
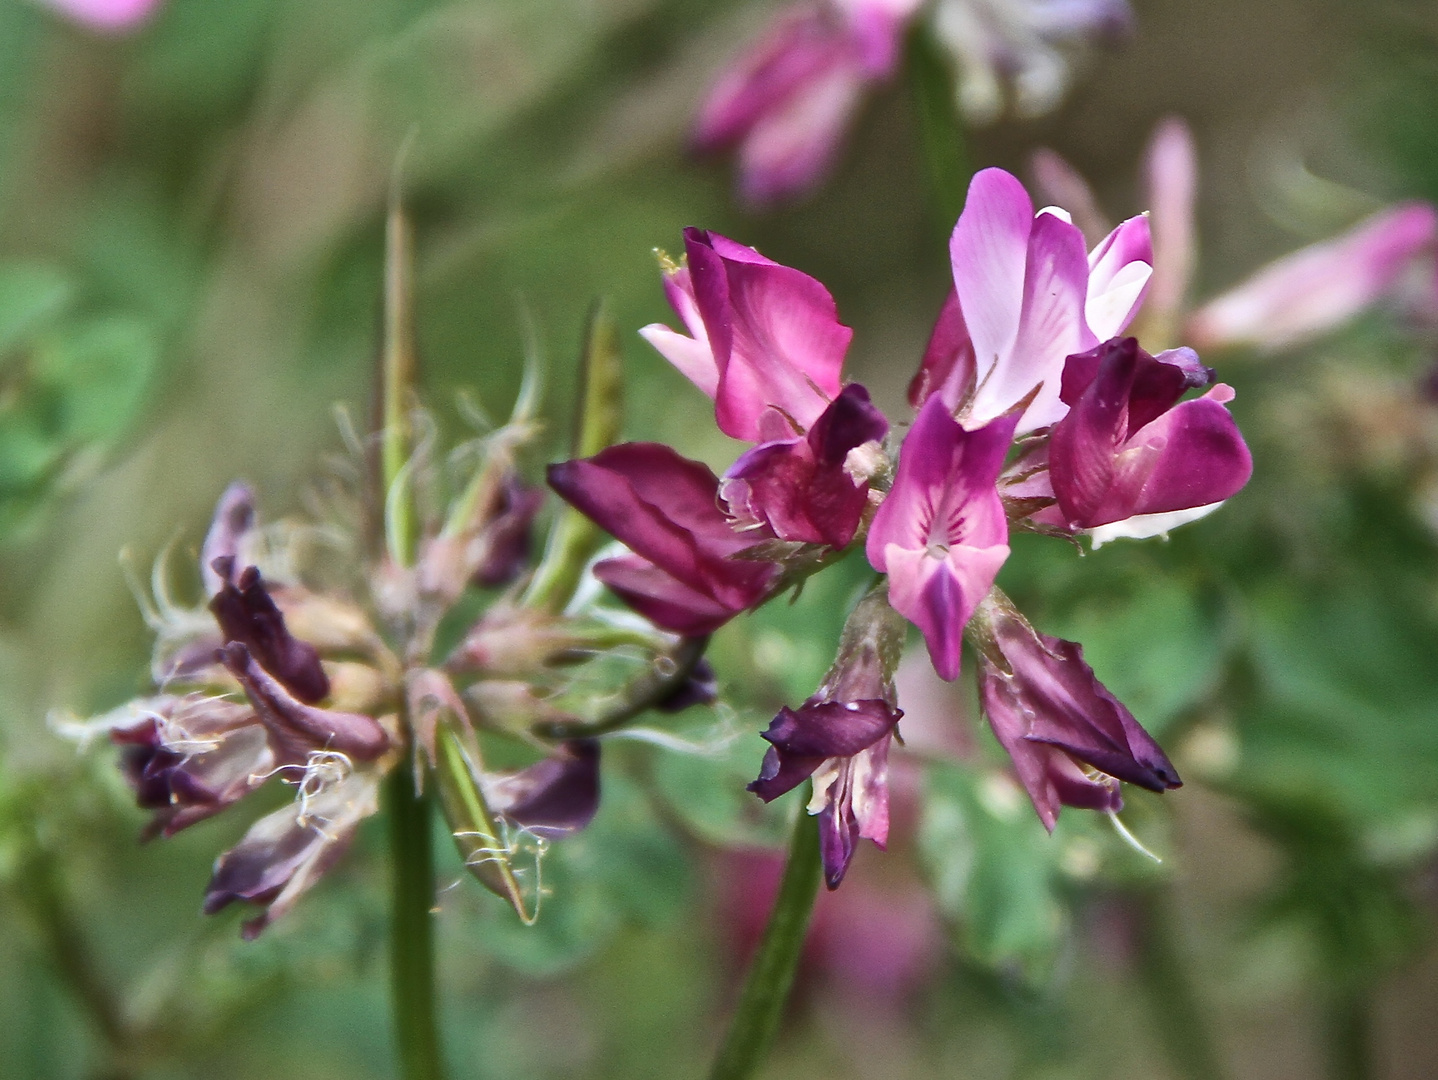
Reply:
x=106, y=14
x=1320, y=287
x=1060, y=183
x=939, y=595
x=947, y=368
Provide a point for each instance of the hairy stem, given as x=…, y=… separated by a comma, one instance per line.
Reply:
x=412, y=985
x=771, y=973
x=1177, y=1014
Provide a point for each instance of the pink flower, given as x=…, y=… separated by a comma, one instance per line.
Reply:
x=787, y=102
x=941, y=534
x=1129, y=457
x=1320, y=287
x=1026, y=296
x=765, y=340
x=106, y=15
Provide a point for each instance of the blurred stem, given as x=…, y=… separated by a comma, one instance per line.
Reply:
x=412, y=985
x=398, y=370
x=1172, y=1000
x=641, y=694
x=771, y=974
x=1348, y=1025
x=941, y=131
x=70, y=956
x=573, y=538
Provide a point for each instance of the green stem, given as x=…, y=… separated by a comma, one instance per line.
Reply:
x=1348, y=1027
x=398, y=373
x=1178, y=1015
x=771, y=974
x=412, y=984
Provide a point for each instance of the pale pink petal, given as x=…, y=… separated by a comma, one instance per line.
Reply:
x=1319, y=288
x=693, y=358
x=1172, y=173
x=989, y=250
x=1119, y=271
x=939, y=595
x=794, y=144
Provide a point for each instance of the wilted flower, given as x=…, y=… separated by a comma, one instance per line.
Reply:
x=1071, y=741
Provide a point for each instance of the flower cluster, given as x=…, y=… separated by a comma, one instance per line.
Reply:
x=1033, y=412
x=786, y=103
x=324, y=673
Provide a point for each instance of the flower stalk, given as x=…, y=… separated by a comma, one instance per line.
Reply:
x=771, y=974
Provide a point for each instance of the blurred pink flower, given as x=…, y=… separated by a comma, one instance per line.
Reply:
x=787, y=102
x=106, y=15
x=1320, y=287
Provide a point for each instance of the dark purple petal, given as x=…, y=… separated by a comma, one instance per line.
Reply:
x=296, y=728
x=838, y=840
x=948, y=366
x=662, y=598
x=851, y=420
x=247, y=614
x=505, y=540
x=701, y=687
x=803, y=739
x=554, y=797
x=232, y=525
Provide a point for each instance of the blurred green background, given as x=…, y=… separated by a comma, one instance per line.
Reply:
x=190, y=256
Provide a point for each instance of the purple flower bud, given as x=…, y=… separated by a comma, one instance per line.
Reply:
x=296, y=728
x=231, y=529
x=799, y=489
x=664, y=507
x=505, y=539
x=247, y=614
x=1053, y=717
x=1127, y=450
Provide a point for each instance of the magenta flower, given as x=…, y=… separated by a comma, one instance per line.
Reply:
x=766, y=342
x=787, y=102
x=1026, y=296
x=106, y=15
x=800, y=489
x=1321, y=287
x=1070, y=740
x=665, y=508
x=1128, y=456
x=941, y=534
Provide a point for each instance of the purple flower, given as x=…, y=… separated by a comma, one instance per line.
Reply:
x=800, y=489
x=840, y=737
x=787, y=102
x=188, y=758
x=941, y=534
x=1128, y=456
x=1054, y=718
x=765, y=340
x=1320, y=287
x=682, y=575
x=1026, y=295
